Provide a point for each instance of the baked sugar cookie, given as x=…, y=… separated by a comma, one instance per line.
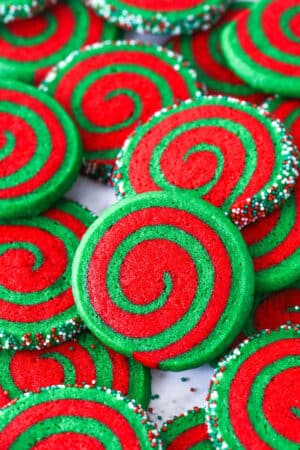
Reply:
x=164, y=278
x=40, y=151
x=81, y=361
x=37, y=306
x=110, y=89
x=203, y=50
x=254, y=397
x=29, y=48
x=219, y=149
x=262, y=46
x=81, y=418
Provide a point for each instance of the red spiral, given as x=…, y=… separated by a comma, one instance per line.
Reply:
x=253, y=399
x=39, y=258
x=270, y=23
x=111, y=102
x=39, y=371
x=28, y=137
x=170, y=258
x=65, y=21
x=43, y=40
x=188, y=173
x=277, y=408
x=26, y=279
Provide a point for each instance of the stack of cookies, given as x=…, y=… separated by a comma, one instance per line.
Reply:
x=198, y=261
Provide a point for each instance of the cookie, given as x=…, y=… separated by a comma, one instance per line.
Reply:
x=111, y=88
x=40, y=151
x=77, y=418
x=254, y=397
x=29, y=48
x=138, y=280
x=220, y=149
x=288, y=111
x=79, y=362
x=188, y=431
x=150, y=16
x=37, y=306
x=274, y=244
x=274, y=309
x=262, y=47
x=11, y=10
x=203, y=50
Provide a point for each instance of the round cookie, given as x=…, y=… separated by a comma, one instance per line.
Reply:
x=29, y=48
x=138, y=280
x=203, y=50
x=188, y=431
x=11, y=10
x=150, y=16
x=274, y=244
x=40, y=151
x=79, y=362
x=262, y=47
x=288, y=111
x=254, y=397
x=37, y=306
x=274, y=309
x=220, y=149
x=111, y=88
x=77, y=418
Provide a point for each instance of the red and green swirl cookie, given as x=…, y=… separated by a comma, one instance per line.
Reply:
x=157, y=17
x=254, y=397
x=288, y=111
x=79, y=362
x=77, y=418
x=22, y=9
x=203, y=50
x=274, y=244
x=138, y=280
x=36, y=302
x=186, y=432
x=40, y=151
x=109, y=89
x=220, y=149
x=274, y=309
x=262, y=46
x=29, y=48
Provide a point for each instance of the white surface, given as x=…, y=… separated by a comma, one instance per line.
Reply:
x=175, y=395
